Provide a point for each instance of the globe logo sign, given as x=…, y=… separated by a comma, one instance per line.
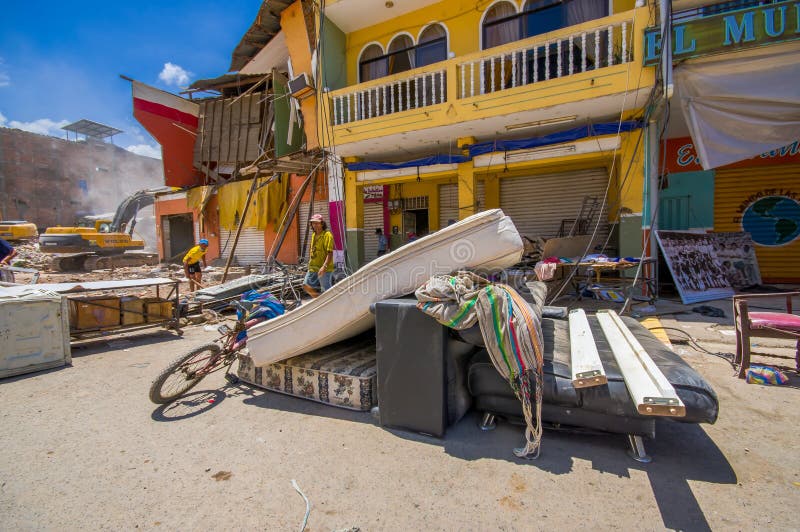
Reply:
x=773, y=220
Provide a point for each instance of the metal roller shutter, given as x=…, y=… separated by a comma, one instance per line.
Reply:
x=448, y=201
x=250, y=248
x=448, y=204
x=373, y=219
x=763, y=200
x=539, y=203
x=320, y=207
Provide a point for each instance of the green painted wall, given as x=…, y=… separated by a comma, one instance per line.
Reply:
x=334, y=44
x=687, y=202
x=354, y=240
x=282, y=117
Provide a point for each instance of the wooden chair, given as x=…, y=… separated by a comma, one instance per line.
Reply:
x=763, y=325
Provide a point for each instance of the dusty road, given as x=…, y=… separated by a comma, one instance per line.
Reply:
x=82, y=448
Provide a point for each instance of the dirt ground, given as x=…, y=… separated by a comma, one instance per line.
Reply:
x=83, y=448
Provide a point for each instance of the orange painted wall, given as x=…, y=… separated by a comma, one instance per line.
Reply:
x=211, y=229
x=289, y=251
x=179, y=206
x=293, y=24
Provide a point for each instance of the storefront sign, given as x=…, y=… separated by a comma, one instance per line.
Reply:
x=681, y=156
x=373, y=192
x=735, y=30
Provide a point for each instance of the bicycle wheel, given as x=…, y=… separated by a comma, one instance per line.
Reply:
x=184, y=373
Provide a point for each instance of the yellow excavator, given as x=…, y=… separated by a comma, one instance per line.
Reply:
x=17, y=230
x=104, y=245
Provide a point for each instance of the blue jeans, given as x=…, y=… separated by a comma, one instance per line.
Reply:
x=319, y=282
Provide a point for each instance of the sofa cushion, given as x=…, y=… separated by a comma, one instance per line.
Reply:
x=613, y=399
x=776, y=320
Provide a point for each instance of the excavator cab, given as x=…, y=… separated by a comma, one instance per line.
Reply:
x=102, y=226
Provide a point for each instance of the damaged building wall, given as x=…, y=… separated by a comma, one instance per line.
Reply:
x=232, y=131
x=51, y=181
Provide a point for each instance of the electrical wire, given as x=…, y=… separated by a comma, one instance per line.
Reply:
x=608, y=185
x=729, y=358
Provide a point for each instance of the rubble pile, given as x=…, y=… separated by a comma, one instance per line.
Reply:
x=533, y=248
x=29, y=256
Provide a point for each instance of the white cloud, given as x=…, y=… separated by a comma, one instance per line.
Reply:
x=145, y=149
x=3, y=120
x=174, y=75
x=42, y=126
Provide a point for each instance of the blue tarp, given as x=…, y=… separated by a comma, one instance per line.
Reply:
x=426, y=161
x=594, y=130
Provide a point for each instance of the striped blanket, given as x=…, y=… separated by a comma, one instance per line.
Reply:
x=511, y=331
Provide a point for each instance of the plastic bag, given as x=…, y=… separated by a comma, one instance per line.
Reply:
x=765, y=375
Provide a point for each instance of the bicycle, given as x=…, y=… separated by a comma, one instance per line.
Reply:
x=186, y=371
x=289, y=296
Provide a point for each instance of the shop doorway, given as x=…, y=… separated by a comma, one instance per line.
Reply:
x=178, y=236
x=415, y=221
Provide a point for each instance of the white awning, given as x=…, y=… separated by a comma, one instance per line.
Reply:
x=739, y=106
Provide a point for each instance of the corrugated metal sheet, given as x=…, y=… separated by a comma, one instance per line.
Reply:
x=539, y=203
x=320, y=207
x=249, y=250
x=448, y=201
x=764, y=201
x=373, y=219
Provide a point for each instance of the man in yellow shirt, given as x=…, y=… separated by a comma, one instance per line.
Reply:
x=320, y=265
x=191, y=264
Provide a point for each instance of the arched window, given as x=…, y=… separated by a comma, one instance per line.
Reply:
x=372, y=63
x=401, y=54
x=501, y=25
x=541, y=16
x=432, y=46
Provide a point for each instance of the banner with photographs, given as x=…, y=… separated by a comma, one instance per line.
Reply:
x=695, y=268
x=737, y=255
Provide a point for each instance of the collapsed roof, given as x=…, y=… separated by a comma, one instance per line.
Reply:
x=266, y=25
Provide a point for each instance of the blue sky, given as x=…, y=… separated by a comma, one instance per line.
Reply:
x=60, y=61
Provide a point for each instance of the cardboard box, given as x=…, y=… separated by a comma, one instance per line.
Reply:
x=93, y=312
x=132, y=310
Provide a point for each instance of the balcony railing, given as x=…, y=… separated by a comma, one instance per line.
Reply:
x=590, y=47
x=542, y=61
x=414, y=92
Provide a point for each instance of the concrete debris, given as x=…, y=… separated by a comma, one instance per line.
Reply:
x=533, y=248
x=29, y=256
x=212, y=316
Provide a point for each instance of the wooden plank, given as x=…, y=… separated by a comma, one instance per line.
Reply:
x=237, y=108
x=225, y=133
x=587, y=369
x=249, y=153
x=648, y=387
x=209, y=130
x=219, y=111
x=198, y=146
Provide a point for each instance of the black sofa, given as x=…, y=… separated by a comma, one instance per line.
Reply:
x=429, y=375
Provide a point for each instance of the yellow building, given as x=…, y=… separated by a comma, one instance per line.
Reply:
x=440, y=109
